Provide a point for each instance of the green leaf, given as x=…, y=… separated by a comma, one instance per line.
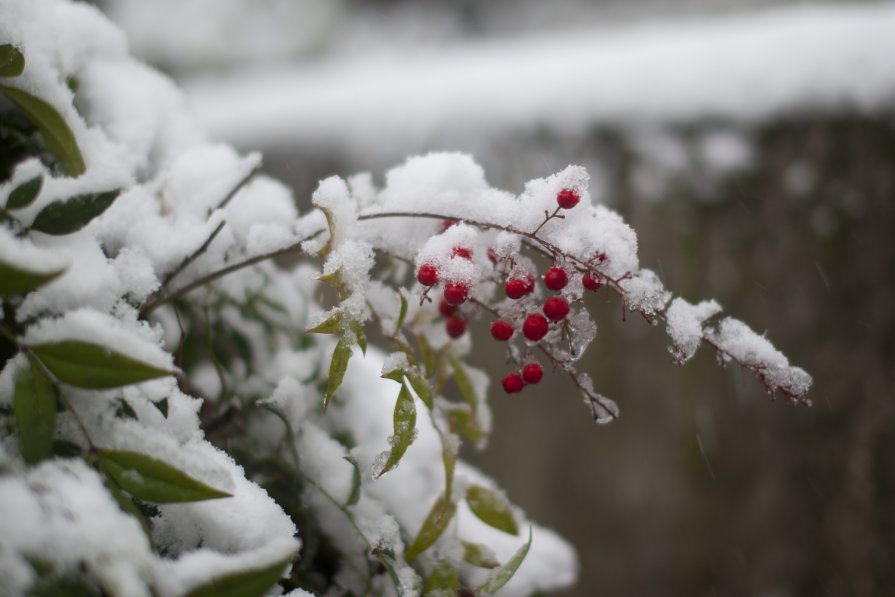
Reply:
x=331, y=225
x=15, y=281
x=502, y=575
x=443, y=578
x=93, y=367
x=248, y=583
x=479, y=555
x=491, y=508
x=34, y=406
x=24, y=194
x=330, y=325
x=420, y=386
x=55, y=132
x=358, y=329
x=128, y=507
x=335, y=280
x=337, y=367
x=402, y=314
x=436, y=522
x=12, y=62
x=70, y=215
x=404, y=420
x=461, y=378
x=463, y=423
x=449, y=458
x=153, y=480
x=355, y=482
x=66, y=449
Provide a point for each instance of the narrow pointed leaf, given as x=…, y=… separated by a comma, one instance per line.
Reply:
x=55, y=132
x=359, y=335
x=330, y=325
x=436, y=522
x=92, y=366
x=479, y=555
x=354, y=496
x=449, y=458
x=461, y=378
x=404, y=420
x=24, y=194
x=70, y=215
x=331, y=225
x=15, y=281
x=443, y=578
x=502, y=575
x=337, y=367
x=248, y=583
x=153, y=480
x=12, y=62
x=402, y=314
x=34, y=406
x=420, y=386
x=491, y=508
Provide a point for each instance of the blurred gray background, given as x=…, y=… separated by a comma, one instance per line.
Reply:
x=784, y=213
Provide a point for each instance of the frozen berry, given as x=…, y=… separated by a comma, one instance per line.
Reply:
x=445, y=224
x=502, y=330
x=492, y=255
x=535, y=327
x=455, y=326
x=591, y=282
x=516, y=288
x=556, y=278
x=427, y=275
x=456, y=293
x=446, y=309
x=513, y=383
x=532, y=373
x=568, y=198
x=556, y=308
x=462, y=252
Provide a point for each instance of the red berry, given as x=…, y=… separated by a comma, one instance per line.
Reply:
x=535, y=327
x=445, y=224
x=513, y=383
x=456, y=293
x=532, y=373
x=556, y=278
x=427, y=275
x=556, y=307
x=502, y=330
x=455, y=326
x=568, y=198
x=591, y=282
x=492, y=255
x=516, y=288
x=446, y=309
x=462, y=252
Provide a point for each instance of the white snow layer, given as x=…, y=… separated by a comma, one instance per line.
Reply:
x=738, y=67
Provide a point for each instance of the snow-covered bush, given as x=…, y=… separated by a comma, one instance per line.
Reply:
x=180, y=416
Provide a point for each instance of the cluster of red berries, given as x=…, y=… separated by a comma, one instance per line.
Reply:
x=535, y=325
x=455, y=293
x=530, y=375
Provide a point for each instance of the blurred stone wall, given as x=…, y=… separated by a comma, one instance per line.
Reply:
x=705, y=486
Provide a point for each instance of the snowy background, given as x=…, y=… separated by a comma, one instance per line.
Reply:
x=751, y=144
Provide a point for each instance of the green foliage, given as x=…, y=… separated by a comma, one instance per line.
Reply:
x=17, y=281
x=153, y=480
x=404, y=420
x=70, y=215
x=12, y=62
x=491, y=509
x=436, y=522
x=23, y=195
x=34, y=405
x=247, y=583
x=337, y=367
x=57, y=136
x=502, y=575
x=92, y=366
